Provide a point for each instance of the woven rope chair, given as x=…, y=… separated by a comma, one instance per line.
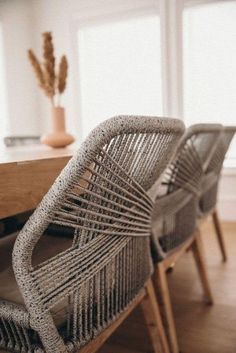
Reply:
x=73, y=300
x=208, y=199
x=175, y=213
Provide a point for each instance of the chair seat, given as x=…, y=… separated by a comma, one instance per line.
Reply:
x=48, y=247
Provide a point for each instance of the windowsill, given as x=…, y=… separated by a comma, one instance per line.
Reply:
x=229, y=171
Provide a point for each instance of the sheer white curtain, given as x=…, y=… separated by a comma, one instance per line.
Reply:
x=209, y=38
x=120, y=69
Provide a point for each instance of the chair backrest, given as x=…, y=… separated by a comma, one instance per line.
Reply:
x=210, y=182
x=192, y=157
x=222, y=146
x=176, y=206
x=101, y=196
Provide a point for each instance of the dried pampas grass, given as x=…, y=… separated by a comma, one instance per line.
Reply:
x=37, y=68
x=52, y=84
x=62, y=75
x=49, y=65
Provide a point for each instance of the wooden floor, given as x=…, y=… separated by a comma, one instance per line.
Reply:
x=200, y=328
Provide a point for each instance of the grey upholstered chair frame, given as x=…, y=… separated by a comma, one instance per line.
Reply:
x=102, y=195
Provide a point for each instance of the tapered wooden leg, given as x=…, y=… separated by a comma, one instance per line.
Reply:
x=162, y=289
x=153, y=320
x=201, y=266
x=219, y=234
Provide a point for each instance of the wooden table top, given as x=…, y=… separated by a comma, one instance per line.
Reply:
x=26, y=174
x=29, y=153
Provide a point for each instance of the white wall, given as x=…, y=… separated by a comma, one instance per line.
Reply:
x=16, y=19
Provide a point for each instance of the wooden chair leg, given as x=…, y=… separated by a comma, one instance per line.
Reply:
x=162, y=290
x=153, y=320
x=201, y=266
x=219, y=234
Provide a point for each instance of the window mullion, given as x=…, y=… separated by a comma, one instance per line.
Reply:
x=172, y=57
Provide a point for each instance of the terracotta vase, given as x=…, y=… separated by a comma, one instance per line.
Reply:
x=59, y=137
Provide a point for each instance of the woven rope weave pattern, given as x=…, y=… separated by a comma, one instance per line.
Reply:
x=102, y=198
x=176, y=206
x=211, y=178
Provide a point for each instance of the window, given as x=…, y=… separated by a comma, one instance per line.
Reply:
x=151, y=57
x=209, y=36
x=120, y=70
x=3, y=108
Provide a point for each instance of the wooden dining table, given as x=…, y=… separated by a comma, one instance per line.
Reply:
x=26, y=174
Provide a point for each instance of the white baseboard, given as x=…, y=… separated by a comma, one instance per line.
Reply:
x=227, y=208
x=227, y=196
